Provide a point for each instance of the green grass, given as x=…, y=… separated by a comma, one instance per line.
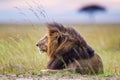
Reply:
x=18, y=53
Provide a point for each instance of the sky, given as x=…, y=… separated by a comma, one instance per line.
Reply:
x=63, y=11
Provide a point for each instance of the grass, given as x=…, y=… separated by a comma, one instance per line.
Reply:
x=18, y=53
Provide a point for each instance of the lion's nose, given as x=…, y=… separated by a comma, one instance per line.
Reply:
x=37, y=45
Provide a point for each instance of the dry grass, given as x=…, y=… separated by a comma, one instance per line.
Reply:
x=18, y=53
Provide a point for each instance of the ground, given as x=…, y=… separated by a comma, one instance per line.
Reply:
x=57, y=77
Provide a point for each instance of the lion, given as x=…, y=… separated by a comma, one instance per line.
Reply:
x=68, y=51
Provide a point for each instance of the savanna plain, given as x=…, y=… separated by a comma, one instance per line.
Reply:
x=19, y=54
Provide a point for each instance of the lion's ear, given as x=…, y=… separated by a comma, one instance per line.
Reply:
x=51, y=27
x=53, y=31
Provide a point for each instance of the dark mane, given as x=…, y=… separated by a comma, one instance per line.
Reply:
x=60, y=27
x=72, y=46
x=80, y=41
x=77, y=36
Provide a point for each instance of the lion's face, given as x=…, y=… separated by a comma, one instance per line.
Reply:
x=55, y=35
x=42, y=44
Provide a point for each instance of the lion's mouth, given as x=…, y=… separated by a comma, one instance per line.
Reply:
x=42, y=49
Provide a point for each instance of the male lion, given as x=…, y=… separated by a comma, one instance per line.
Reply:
x=67, y=50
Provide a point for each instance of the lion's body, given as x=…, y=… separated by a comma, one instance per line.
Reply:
x=68, y=51
x=85, y=66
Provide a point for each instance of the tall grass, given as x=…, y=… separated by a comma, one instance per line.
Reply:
x=18, y=53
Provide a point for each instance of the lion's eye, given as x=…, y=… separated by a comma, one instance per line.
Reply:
x=54, y=34
x=53, y=31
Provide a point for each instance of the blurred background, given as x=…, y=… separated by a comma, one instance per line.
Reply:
x=63, y=11
x=22, y=24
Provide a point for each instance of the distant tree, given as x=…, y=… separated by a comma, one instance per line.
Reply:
x=92, y=10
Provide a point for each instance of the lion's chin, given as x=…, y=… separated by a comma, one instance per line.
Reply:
x=41, y=50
